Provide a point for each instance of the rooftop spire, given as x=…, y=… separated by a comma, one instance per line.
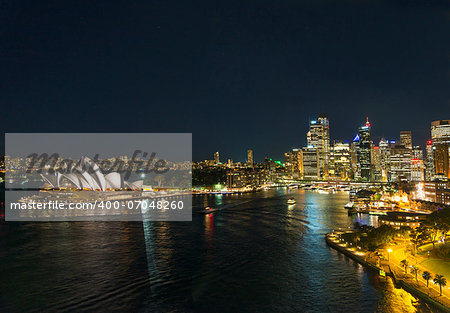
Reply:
x=367, y=122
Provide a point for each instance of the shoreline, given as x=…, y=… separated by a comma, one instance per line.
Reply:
x=398, y=283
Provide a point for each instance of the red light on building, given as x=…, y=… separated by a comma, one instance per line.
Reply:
x=429, y=142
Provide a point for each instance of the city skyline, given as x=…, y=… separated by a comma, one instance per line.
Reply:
x=396, y=138
x=240, y=76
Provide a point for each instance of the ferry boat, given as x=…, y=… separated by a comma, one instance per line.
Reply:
x=291, y=201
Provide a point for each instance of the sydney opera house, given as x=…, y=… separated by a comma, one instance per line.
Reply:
x=86, y=175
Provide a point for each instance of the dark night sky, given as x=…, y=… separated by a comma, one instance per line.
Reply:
x=238, y=75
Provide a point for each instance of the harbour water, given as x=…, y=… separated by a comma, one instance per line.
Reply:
x=258, y=254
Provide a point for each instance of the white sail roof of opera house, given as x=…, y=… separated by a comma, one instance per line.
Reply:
x=87, y=175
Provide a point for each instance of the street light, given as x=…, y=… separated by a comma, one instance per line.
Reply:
x=389, y=251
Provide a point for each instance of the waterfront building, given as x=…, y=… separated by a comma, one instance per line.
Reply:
x=246, y=177
x=399, y=219
x=406, y=139
x=294, y=163
x=311, y=170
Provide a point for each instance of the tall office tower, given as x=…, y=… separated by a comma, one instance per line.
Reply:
x=400, y=163
x=376, y=163
x=230, y=163
x=216, y=158
x=429, y=161
x=323, y=119
x=384, y=158
x=364, y=148
x=250, y=157
x=311, y=170
x=319, y=138
x=354, y=157
x=297, y=163
x=417, y=153
x=406, y=139
x=293, y=163
x=440, y=137
x=440, y=132
x=288, y=163
x=441, y=161
x=340, y=161
x=417, y=170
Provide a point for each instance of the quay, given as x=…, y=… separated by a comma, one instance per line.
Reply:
x=441, y=303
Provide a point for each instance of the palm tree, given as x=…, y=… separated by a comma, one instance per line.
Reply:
x=415, y=270
x=404, y=263
x=441, y=281
x=427, y=276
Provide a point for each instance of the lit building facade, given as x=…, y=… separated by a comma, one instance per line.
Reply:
x=319, y=138
x=311, y=170
x=216, y=158
x=406, y=139
x=250, y=158
x=417, y=170
x=364, y=151
x=340, y=161
x=400, y=163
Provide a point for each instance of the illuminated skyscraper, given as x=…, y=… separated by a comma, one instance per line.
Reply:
x=440, y=132
x=400, y=163
x=319, y=138
x=429, y=162
x=406, y=139
x=417, y=153
x=417, y=170
x=216, y=158
x=294, y=163
x=364, y=148
x=441, y=160
x=250, y=158
x=440, y=137
x=384, y=158
x=376, y=163
x=340, y=161
x=311, y=169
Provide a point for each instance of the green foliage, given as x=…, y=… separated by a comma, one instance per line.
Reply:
x=370, y=238
x=209, y=176
x=404, y=264
x=427, y=276
x=440, y=280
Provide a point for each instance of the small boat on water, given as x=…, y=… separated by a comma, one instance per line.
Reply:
x=291, y=201
x=208, y=210
x=349, y=205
